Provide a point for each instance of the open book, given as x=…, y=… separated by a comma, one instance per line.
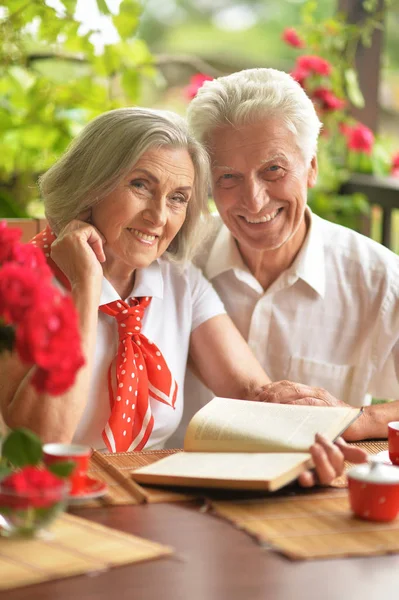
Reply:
x=247, y=445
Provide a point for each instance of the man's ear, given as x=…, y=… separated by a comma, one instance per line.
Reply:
x=312, y=172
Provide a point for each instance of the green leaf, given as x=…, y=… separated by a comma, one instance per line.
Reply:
x=62, y=469
x=352, y=87
x=127, y=21
x=4, y=471
x=22, y=447
x=103, y=8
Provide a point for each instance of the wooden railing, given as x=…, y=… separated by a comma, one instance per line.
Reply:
x=381, y=191
x=30, y=227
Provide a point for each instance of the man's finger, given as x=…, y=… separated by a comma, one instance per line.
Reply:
x=351, y=453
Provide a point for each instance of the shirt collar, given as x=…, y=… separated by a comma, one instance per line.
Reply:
x=308, y=266
x=148, y=282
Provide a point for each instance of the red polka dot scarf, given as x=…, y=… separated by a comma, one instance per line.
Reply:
x=138, y=373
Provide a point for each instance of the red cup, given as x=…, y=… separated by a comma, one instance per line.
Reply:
x=80, y=455
x=374, y=491
x=393, y=442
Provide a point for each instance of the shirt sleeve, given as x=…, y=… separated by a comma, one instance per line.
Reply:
x=385, y=383
x=205, y=301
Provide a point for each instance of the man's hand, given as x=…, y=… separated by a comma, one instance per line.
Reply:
x=329, y=460
x=288, y=392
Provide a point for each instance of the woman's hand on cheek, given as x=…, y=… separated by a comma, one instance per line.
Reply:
x=79, y=251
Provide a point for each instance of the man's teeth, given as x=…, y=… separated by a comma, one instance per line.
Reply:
x=143, y=236
x=263, y=219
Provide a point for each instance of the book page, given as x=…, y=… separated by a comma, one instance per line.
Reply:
x=226, y=425
x=225, y=470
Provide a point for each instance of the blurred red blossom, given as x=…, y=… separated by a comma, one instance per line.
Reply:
x=313, y=64
x=327, y=99
x=31, y=486
x=196, y=82
x=45, y=322
x=395, y=165
x=360, y=138
x=291, y=37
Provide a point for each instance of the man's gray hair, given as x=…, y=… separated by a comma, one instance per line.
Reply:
x=104, y=153
x=248, y=96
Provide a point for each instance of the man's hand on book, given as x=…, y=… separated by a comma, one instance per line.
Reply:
x=289, y=392
x=329, y=460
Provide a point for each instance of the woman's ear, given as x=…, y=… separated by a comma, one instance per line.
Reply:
x=85, y=216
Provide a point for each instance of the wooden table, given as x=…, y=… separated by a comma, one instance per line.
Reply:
x=214, y=561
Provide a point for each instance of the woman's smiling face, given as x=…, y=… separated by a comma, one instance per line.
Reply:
x=142, y=215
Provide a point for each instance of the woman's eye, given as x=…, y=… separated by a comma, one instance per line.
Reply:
x=136, y=183
x=227, y=176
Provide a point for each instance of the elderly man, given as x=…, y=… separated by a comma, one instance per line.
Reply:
x=318, y=303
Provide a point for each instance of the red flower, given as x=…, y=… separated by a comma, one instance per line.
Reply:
x=8, y=240
x=48, y=338
x=395, y=165
x=291, y=38
x=300, y=75
x=196, y=82
x=46, y=332
x=31, y=486
x=32, y=258
x=360, y=138
x=20, y=292
x=327, y=100
x=314, y=64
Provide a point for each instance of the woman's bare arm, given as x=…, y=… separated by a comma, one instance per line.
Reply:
x=224, y=361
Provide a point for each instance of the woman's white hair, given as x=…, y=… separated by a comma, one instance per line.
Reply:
x=247, y=96
x=104, y=153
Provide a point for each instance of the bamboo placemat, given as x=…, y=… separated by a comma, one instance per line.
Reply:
x=115, y=470
x=77, y=546
x=372, y=447
x=312, y=526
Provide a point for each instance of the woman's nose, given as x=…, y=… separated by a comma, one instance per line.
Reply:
x=156, y=212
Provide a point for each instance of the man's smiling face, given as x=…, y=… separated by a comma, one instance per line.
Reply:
x=260, y=182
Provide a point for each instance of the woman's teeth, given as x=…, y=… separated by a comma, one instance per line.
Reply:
x=143, y=236
x=263, y=219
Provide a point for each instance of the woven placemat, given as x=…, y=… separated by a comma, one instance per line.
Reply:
x=313, y=526
x=115, y=470
x=77, y=546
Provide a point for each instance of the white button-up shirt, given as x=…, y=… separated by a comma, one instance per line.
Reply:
x=330, y=320
x=182, y=299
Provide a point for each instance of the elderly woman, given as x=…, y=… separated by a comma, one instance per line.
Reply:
x=126, y=207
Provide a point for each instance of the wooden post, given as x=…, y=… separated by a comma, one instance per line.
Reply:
x=368, y=62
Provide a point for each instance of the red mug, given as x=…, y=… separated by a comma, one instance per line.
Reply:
x=80, y=455
x=393, y=442
x=374, y=491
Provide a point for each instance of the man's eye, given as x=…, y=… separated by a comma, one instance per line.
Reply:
x=274, y=168
x=180, y=199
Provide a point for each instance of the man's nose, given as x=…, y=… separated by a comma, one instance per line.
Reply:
x=255, y=196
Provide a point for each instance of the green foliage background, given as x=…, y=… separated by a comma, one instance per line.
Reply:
x=52, y=82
